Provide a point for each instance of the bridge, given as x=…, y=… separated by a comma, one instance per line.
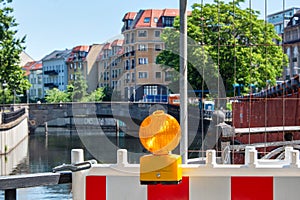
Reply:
x=132, y=114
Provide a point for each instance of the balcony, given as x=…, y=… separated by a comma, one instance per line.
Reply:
x=51, y=85
x=51, y=73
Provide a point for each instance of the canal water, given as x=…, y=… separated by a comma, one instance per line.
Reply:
x=45, y=152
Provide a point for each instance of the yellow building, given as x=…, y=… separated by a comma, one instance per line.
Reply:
x=144, y=79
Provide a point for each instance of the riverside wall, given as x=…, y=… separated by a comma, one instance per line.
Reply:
x=13, y=133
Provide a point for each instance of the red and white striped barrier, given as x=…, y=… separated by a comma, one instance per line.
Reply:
x=257, y=179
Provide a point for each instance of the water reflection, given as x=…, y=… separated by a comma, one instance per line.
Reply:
x=15, y=157
x=47, y=151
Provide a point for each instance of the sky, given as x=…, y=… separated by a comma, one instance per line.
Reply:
x=63, y=24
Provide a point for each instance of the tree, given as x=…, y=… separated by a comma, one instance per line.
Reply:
x=240, y=44
x=56, y=96
x=96, y=95
x=10, y=48
x=78, y=90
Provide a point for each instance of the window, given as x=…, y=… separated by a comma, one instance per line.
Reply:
x=142, y=47
x=127, y=38
x=146, y=19
x=158, y=47
x=127, y=79
x=142, y=33
x=158, y=75
x=168, y=21
x=143, y=74
x=169, y=75
x=150, y=90
x=127, y=67
x=155, y=19
x=132, y=63
x=132, y=51
x=143, y=61
x=132, y=77
x=132, y=37
x=157, y=33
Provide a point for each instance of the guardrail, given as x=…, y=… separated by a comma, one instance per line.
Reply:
x=10, y=184
x=8, y=117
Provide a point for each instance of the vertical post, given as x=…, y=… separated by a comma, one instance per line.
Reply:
x=183, y=81
x=46, y=128
x=10, y=194
x=77, y=156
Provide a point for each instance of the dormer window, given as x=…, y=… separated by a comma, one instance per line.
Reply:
x=146, y=19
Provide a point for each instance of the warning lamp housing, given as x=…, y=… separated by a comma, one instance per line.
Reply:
x=160, y=133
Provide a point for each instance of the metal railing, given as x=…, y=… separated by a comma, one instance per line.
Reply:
x=8, y=117
x=10, y=184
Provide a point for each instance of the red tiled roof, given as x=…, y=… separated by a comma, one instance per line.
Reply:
x=27, y=67
x=107, y=46
x=170, y=12
x=37, y=66
x=75, y=50
x=117, y=42
x=81, y=48
x=129, y=15
x=151, y=17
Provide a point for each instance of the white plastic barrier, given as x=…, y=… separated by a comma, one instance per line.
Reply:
x=257, y=179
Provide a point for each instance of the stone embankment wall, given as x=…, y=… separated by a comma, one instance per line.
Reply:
x=13, y=133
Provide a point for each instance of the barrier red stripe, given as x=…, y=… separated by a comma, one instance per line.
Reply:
x=252, y=188
x=169, y=192
x=95, y=188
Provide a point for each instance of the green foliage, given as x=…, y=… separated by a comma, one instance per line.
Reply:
x=240, y=45
x=10, y=49
x=96, y=95
x=76, y=92
x=199, y=64
x=56, y=96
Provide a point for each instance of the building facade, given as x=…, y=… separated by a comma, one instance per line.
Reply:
x=110, y=66
x=292, y=45
x=83, y=59
x=142, y=44
x=36, y=80
x=76, y=61
x=280, y=20
x=55, y=71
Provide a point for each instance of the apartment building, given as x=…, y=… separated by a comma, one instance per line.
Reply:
x=281, y=19
x=55, y=72
x=110, y=67
x=292, y=45
x=76, y=61
x=142, y=44
x=36, y=80
x=84, y=58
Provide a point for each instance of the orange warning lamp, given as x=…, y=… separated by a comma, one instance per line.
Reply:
x=160, y=134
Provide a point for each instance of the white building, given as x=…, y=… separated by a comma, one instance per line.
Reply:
x=281, y=19
x=55, y=71
x=36, y=80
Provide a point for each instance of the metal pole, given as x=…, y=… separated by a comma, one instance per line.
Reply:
x=183, y=82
